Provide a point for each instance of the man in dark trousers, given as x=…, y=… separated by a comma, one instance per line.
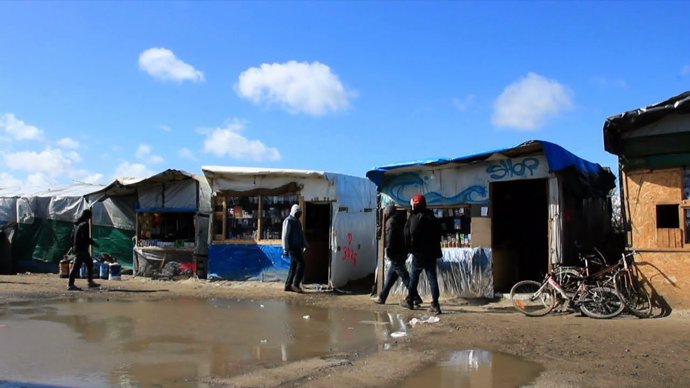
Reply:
x=81, y=240
x=394, y=251
x=423, y=241
x=294, y=245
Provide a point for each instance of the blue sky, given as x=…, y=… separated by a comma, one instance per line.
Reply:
x=91, y=91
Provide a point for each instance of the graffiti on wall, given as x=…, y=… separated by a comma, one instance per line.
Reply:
x=349, y=253
x=509, y=168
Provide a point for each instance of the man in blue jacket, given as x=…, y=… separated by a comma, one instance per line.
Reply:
x=294, y=245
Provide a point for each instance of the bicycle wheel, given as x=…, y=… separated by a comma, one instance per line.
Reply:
x=601, y=303
x=569, y=278
x=529, y=300
x=634, y=295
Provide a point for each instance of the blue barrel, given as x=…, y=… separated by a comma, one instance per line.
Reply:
x=103, y=270
x=82, y=270
x=115, y=271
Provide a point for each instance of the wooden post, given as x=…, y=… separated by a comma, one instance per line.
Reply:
x=381, y=254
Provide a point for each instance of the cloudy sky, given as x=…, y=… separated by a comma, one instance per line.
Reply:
x=92, y=91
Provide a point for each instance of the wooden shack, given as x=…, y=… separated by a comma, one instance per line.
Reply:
x=506, y=215
x=653, y=149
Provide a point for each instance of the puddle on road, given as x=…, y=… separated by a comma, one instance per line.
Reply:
x=168, y=343
x=477, y=368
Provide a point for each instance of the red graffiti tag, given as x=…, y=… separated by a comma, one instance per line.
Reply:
x=349, y=254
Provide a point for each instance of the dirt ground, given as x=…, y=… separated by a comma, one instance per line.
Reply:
x=575, y=351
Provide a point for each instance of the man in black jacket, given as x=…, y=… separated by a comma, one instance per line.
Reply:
x=81, y=239
x=394, y=250
x=423, y=241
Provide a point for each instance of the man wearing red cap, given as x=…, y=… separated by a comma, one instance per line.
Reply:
x=423, y=241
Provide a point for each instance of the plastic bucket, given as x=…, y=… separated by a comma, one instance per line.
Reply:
x=63, y=268
x=83, y=270
x=103, y=270
x=115, y=271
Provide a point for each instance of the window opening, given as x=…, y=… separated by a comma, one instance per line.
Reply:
x=667, y=216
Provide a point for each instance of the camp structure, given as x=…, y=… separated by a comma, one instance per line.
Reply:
x=250, y=204
x=506, y=215
x=170, y=211
x=653, y=148
x=40, y=222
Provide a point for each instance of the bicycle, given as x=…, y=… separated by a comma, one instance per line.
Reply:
x=537, y=299
x=635, y=296
x=623, y=277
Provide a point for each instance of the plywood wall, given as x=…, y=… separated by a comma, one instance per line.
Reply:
x=645, y=190
x=667, y=275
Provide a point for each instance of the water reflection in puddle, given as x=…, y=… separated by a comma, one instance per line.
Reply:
x=173, y=343
x=477, y=368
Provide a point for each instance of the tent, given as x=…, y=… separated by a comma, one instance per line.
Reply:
x=44, y=217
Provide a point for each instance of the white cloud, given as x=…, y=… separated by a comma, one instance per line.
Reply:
x=19, y=130
x=39, y=179
x=87, y=176
x=155, y=159
x=7, y=180
x=54, y=162
x=67, y=142
x=685, y=70
x=228, y=142
x=463, y=104
x=73, y=156
x=186, y=153
x=162, y=64
x=527, y=103
x=132, y=170
x=164, y=128
x=299, y=87
x=93, y=178
x=144, y=152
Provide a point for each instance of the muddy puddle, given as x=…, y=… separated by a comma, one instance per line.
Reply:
x=89, y=343
x=476, y=368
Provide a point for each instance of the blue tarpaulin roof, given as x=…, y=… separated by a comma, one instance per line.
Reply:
x=558, y=159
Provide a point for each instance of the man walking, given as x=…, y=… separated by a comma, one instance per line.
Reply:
x=294, y=245
x=423, y=241
x=81, y=240
x=394, y=251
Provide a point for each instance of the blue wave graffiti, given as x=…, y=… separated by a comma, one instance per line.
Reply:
x=472, y=194
x=400, y=187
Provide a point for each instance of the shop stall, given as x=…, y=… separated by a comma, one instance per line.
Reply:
x=505, y=215
x=250, y=204
x=171, y=212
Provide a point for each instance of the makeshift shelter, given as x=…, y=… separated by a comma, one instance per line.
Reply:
x=171, y=221
x=506, y=215
x=653, y=148
x=250, y=204
x=43, y=220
